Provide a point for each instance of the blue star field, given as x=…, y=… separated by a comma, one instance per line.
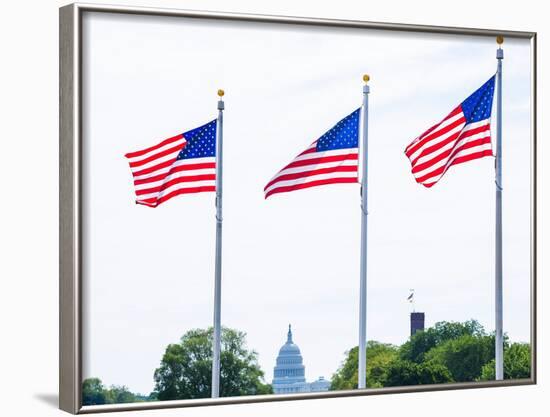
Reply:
x=344, y=135
x=201, y=142
x=478, y=106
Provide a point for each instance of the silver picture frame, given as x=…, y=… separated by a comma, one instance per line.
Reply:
x=71, y=189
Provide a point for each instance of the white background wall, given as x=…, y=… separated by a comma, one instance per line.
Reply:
x=28, y=224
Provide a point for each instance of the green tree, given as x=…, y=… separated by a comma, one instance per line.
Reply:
x=517, y=363
x=446, y=352
x=379, y=356
x=346, y=375
x=120, y=394
x=93, y=392
x=153, y=396
x=420, y=343
x=464, y=356
x=186, y=368
x=402, y=372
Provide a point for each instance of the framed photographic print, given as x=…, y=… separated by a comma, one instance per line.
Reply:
x=261, y=208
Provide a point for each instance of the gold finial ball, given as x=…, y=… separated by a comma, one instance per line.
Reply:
x=500, y=39
x=366, y=78
x=221, y=93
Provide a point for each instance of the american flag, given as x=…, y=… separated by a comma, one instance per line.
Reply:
x=331, y=159
x=462, y=136
x=182, y=164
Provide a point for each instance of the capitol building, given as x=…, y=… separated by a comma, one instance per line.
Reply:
x=289, y=373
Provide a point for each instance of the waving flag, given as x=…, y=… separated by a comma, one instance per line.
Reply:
x=183, y=164
x=331, y=159
x=462, y=136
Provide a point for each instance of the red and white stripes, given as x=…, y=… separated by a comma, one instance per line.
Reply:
x=311, y=168
x=450, y=142
x=159, y=176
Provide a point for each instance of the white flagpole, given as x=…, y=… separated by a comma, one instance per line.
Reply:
x=499, y=341
x=362, y=374
x=218, y=269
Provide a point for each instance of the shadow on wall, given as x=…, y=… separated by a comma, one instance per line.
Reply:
x=49, y=399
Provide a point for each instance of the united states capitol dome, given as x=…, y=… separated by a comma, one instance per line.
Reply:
x=289, y=368
x=289, y=348
x=289, y=372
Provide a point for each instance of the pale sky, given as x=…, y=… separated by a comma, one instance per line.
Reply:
x=148, y=273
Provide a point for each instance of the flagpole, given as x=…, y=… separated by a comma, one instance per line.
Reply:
x=499, y=341
x=218, y=268
x=362, y=374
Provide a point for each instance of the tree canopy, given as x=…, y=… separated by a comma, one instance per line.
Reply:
x=379, y=356
x=95, y=393
x=421, y=343
x=517, y=363
x=185, y=370
x=464, y=356
x=446, y=352
x=400, y=372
